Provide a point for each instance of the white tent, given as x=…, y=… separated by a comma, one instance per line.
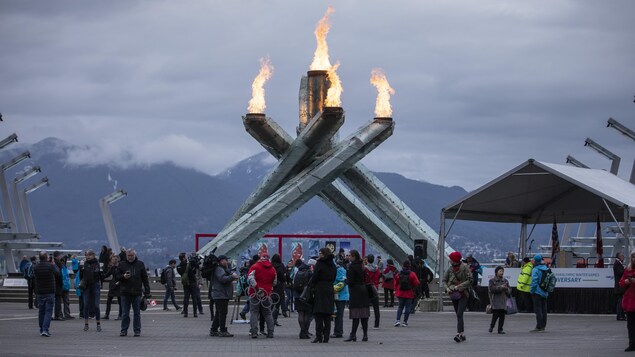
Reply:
x=536, y=192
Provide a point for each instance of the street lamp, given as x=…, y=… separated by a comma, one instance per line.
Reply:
x=615, y=160
x=27, y=209
x=5, y=190
x=571, y=160
x=612, y=123
x=19, y=210
x=105, y=203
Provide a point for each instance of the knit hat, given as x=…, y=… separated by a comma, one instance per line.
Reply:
x=537, y=258
x=312, y=261
x=455, y=257
x=221, y=257
x=264, y=256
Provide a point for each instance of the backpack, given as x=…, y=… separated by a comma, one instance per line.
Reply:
x=301, y=280
x=548, y=281
x=404, y=281
x=28, y=271
x=185, y=280
x=164, y=276
x=66, y=280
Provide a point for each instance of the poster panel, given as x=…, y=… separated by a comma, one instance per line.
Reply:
x=314, y=248
x=346, y=245
x=296, y=250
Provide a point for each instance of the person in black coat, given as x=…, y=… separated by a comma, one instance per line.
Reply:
x=303, y=308
x=133, y=278
x=90, y=273
x=324, y=274
x=359, y=303
x=618, y=271
x=281, y=273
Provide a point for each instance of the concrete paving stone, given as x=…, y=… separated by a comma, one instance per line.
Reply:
x=429, y=334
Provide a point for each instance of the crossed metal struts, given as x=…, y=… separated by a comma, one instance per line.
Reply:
x=315, y=163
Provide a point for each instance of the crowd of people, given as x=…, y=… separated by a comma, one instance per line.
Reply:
x=319, y=290
x=49, y=280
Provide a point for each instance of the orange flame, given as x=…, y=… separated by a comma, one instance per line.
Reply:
x=321, y=56
x=335, y=89
x=383, y=109
x=257, y=102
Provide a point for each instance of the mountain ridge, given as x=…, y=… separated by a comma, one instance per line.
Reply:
x=168, y=204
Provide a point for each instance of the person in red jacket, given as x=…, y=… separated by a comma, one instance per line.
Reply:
x=262, y=278
x=405, y=283
x=388, y=277
x=628, y=301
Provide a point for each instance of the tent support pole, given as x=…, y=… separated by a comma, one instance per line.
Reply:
x=626, y=244
x=440, y=259
x=627, y=231
x=523, y=239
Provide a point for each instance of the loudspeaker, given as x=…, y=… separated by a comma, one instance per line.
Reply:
x=421, y=249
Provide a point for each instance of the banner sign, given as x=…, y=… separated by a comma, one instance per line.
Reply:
x=566, y=277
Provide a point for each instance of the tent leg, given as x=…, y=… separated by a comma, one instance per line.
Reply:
x=440, y=259
x=627, y=231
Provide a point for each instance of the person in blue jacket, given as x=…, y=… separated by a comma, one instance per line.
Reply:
x=341, y=298
x=539, y=296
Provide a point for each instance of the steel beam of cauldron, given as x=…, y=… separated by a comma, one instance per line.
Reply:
x=315, y=136
x=390, y=211
x=300, y=188
x=336, y=196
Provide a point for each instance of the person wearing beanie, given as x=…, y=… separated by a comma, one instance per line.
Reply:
x=539, y=296
x=262, y=278
x=222, y=291
x=458, y=283
x=499, y=291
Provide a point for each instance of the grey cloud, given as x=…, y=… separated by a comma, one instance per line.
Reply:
x=480, y=87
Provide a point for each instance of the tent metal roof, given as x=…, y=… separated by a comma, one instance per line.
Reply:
x=534, y=192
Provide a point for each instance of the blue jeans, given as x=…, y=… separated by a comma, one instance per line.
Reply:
x=540, y=309
x=246, y=307
x=169, y=293
x=45, y=303
x=91, y=300
x=340, y=306
x=135, y=302
x=404, y=303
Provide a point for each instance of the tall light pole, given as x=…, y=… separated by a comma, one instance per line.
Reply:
x=5, y=190
x=19, y=211
x=13, y=138
x=25, y=201
x=612, y=123
x=105, y=203
x=615, y=160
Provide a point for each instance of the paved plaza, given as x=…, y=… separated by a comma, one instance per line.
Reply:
x=429, y=334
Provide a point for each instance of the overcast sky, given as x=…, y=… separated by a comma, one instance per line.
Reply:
x=481, y=86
